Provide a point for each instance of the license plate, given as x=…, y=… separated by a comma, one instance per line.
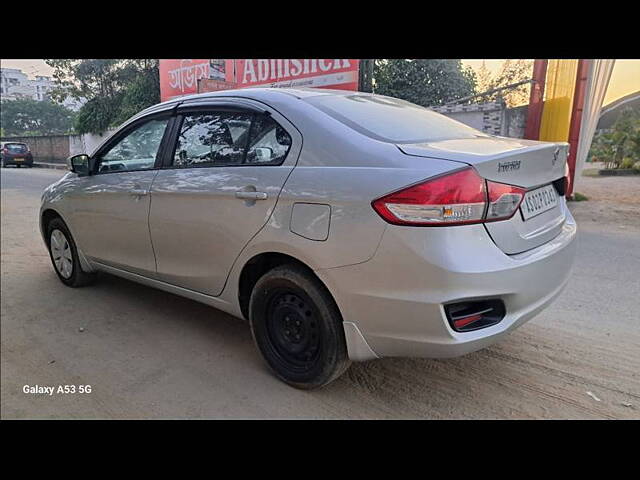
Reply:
x=19, y=159
x=538, y=201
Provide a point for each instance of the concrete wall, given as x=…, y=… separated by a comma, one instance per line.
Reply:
x=52, y=148
x=515, y=121
x=493, y=118
x=57, y=148
x=87, y=142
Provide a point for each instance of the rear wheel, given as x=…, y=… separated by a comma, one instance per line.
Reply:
x=298, y=328
x=64, y=255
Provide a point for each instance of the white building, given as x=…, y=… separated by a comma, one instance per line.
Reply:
x=15, y=84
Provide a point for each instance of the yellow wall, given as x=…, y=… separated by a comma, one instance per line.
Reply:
x=558, y=100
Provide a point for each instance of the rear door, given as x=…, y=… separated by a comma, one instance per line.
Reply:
x=217, y=189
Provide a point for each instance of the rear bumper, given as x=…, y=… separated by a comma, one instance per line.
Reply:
x=396, y=299
x=12, y=161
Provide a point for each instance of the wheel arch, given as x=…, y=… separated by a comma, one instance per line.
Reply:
x=49, y=214
x=46, y=217
x=261, y=263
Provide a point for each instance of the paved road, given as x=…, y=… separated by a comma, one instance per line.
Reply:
x=149, y=354
x=30, y=181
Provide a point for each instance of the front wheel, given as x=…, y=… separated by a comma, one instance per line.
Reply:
x=64, y=255
x=298, y=327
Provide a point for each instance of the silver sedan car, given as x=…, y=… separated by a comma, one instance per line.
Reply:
x=342, y=225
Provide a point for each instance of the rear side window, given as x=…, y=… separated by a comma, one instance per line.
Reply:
x=212, y=139
x=269, y=142
x=392, y=120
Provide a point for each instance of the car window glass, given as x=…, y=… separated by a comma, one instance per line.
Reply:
x=136, y=151
x=16, y=147
x=391, y=119
x=212, y=139
x=269, y=142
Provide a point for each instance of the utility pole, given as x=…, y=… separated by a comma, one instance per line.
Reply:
x=365, y=80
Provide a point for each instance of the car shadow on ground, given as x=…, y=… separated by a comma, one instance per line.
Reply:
x=421, y=387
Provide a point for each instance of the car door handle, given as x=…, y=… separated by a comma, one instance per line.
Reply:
x=251, y=195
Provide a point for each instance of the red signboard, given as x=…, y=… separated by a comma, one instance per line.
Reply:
x=322, y=73
x=180, y=77
x=210, y=85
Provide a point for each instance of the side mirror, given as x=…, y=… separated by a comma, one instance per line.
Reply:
x=80, y=164
x=264, y=154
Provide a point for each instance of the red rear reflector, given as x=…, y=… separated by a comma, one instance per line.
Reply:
x=466, y=321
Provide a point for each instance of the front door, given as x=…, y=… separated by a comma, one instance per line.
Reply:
x=111, y=216
x=219, y=190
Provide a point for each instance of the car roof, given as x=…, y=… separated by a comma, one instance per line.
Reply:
x=259, y=93
x=268, y=95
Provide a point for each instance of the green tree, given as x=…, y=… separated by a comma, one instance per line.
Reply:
x=114, y=89
x=33, y=117
x=619, y=146
x=424, y=82
x=511, y=71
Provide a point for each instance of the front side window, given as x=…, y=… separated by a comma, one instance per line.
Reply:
x=230, y=139
x=137, y=150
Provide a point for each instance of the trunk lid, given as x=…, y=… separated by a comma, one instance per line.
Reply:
x=524, y=163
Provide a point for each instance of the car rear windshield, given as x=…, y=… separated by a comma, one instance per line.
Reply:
x=391, y=119
x=16, y=147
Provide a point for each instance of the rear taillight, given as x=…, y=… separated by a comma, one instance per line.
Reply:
x=567, y=178
x=458, y=198
x=504, y=200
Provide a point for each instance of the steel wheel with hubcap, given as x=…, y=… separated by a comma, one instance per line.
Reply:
x=64, y=255
x=61, y=253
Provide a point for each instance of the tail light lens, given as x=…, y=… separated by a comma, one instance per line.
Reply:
x=504, y=200
x=567, y=178
x=458, y=198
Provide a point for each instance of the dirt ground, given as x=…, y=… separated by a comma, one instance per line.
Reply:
x=149, y=354
x=613, y=200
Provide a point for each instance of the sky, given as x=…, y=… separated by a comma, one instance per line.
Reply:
x=625, y=78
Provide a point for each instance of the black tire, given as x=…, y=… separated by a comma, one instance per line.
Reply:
x=18, y=165
x=78, y=277
x=298, y=328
